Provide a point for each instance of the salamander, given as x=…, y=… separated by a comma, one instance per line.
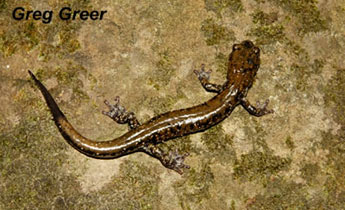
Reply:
x=243, y=64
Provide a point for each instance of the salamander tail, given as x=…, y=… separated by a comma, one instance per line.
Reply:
x=95, y=149
x=65, y=128
x=55, y=110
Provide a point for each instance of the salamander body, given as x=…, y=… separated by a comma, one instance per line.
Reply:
x=244, y=62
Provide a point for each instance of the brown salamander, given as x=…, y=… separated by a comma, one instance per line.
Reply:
x=244, y=62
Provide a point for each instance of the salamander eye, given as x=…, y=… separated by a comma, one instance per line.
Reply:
x=250, y=61
x=236, y=47
x=256, y=50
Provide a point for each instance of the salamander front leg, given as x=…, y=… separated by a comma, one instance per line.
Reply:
x=119, y=114
x=258, y=111
x=173, y=160
x=204, y=77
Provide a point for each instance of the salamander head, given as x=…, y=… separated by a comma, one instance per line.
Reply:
x=244, y=62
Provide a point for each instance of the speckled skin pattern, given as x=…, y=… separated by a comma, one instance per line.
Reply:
x=244, y=62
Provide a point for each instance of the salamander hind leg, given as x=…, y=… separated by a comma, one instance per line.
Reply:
x=259, y=110
x=204, y=77
x=172, y=160
x=119, y=114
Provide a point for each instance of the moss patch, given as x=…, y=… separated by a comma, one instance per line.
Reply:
x=28, y=155
x=222, y=63
x=335, y=144
x=310, y=172
x=306, y=12
x=221, y=6
x=335, y=97
x=195, y=189
x=289, y=143
x=282, y=194
x=267, y=30
x=143, y=190
x=165, y=69
x=216, y=34
x=219, y=145
x=256, y=165
x=164, y=104
x=67, y=77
